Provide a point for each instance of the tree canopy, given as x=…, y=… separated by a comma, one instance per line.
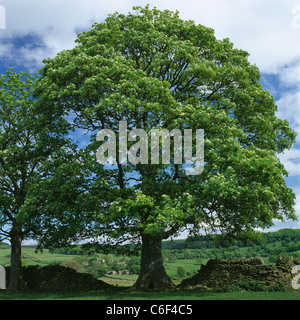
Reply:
x=155, y=70
x=32, y=145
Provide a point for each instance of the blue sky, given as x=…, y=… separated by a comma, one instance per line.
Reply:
x=268, y=29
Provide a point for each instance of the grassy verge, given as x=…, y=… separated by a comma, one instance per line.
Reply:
x=164, y=295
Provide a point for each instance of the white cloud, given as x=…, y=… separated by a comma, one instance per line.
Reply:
x=55, y=16
x=289, y=106
x=291, y=74
x=263, y=28
x=296, y=224
x=291, y=160
x=55, y=22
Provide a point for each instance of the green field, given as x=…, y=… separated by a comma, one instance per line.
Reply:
x=30, y=257
x=188, y=256
x=166, y=295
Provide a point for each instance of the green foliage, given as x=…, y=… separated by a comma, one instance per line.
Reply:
x=180, y=271
x=32, y=146
x=96, y=268
x=153, y=70
x=4, y=245
x=255, y=286
x=134, y=265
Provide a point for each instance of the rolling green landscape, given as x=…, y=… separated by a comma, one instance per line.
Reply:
x=182, y=259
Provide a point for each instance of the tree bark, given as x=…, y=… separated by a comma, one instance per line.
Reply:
x=152, y=274
x=16, y=282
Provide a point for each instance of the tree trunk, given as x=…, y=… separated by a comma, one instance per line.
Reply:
x=152, y=274
x=16, y=282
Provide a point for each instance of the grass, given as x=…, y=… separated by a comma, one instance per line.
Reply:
x=120, y=280
x=190, y=266
x=162, y=295
x=30, y=257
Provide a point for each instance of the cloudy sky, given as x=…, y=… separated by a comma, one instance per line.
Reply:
x=32, y=30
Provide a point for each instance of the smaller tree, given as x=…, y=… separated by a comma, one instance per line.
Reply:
x=180, y=271
x=29, y=144
x=115, y=266
x=97, y=269
x=133, y=265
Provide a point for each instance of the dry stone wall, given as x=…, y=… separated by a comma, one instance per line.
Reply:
x=58, y=278
x=220, y=273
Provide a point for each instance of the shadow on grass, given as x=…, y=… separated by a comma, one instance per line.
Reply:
x=124, y=294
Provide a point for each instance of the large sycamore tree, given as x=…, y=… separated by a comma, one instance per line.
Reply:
x=154, y=70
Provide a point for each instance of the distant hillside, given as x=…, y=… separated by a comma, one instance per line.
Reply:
x=4, y=245
x=283, y=237
x=288, y=236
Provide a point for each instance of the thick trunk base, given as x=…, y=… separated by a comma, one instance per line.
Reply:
x=17, y=285
x=16, y=282
x=152, y=275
